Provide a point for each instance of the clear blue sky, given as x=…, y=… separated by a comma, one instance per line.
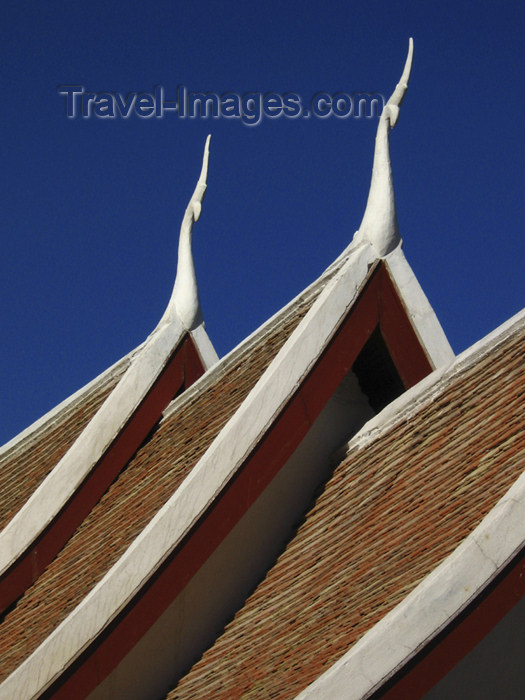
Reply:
x=91, y=208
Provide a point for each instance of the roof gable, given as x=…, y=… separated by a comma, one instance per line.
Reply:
x=397, y=505
x=275, y=416
x=175, y=354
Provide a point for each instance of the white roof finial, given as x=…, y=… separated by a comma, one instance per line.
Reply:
x=185, y=297
x=379, y=222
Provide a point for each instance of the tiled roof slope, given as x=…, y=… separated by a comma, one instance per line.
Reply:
x=151, y=477
x=389, y=514
x=25, y=464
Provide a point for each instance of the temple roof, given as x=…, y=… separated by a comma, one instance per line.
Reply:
x=406, y=493
x=248, y=525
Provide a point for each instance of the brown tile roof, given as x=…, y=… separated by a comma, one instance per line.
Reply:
x=24, y=466
x=389, y=514
x=142, y=488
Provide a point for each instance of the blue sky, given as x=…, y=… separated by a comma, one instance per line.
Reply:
x=91, y=208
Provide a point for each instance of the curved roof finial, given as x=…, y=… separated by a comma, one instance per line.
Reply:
x=185, y=296
x=379, y=222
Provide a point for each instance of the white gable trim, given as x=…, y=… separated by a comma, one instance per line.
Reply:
x=204, y=347
x=57, y=488
x=216, y=467
x=421, y=314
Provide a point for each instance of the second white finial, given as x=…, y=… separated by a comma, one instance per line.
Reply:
x=379, y=224
x=185, y=296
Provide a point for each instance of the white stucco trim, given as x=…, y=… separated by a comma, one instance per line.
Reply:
x=204, y=347
x=421, y=314
x=182, y=315
x=209, y=359
x=442, y=595
x=227, y=452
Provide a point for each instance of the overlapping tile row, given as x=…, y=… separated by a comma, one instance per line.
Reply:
x=25, y=466
x=389, y=514
x=140, y=491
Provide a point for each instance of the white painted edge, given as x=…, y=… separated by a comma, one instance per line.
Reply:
x=217, y=466
x=206, y=351
x=444, y=593
x=65, y=478
x=32, y=431
x=146, y=363
x=422, y=315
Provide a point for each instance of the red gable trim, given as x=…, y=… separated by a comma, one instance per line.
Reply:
x=404, y=346
x=378, y=303
x=459, y=638
x=181, y=370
